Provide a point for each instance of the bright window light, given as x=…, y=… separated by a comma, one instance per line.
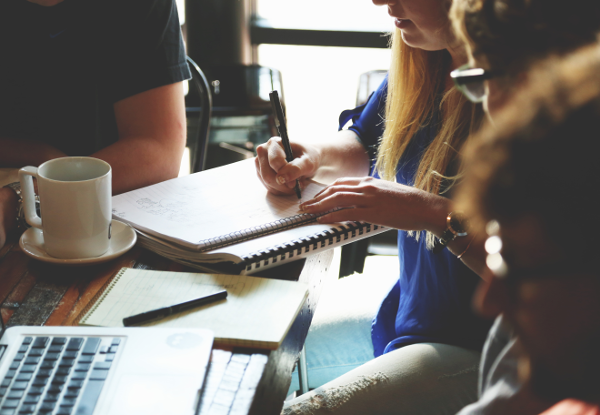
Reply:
x=319, y=83
x=361, y=15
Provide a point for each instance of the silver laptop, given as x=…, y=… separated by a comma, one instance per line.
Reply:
x=93, y=370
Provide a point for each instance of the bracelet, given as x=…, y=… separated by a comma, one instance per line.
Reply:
x=20, y=212
x=467, y=248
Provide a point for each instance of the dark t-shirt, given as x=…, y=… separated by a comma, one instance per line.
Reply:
x=63, y=67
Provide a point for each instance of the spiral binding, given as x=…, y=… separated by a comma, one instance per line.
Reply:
x=257, y=231
x=95, y=302
x=301, y=246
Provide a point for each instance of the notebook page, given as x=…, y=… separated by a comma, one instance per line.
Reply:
x=257, y=312
x=207, y=205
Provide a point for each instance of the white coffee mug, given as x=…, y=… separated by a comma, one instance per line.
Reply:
x=75, y=204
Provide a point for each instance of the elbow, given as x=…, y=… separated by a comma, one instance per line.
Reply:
x=172, y=155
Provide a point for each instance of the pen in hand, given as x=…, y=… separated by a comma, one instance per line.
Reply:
x=281, y=127
x=164, y=312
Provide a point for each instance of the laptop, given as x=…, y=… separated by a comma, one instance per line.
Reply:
x=90, y=371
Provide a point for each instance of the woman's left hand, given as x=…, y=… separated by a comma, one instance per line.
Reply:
x=380, y=202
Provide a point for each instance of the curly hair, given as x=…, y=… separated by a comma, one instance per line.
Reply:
x=540, y=158
x=507, y=36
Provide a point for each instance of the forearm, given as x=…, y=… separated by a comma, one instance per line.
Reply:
x=469, y=248
x=342, y=156
x=142, y=161
x=19, y=153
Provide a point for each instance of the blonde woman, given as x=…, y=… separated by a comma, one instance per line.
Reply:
x=425, y=338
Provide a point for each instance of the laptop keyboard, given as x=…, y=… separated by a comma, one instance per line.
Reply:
x=57, y=375
x=231, y=383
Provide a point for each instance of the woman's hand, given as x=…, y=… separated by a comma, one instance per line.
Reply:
x=380, y=202
x=279, y=176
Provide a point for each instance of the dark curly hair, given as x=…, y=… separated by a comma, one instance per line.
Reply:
x=508, y=35
x=540, y=158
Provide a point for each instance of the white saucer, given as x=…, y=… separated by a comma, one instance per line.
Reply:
x=123, y=237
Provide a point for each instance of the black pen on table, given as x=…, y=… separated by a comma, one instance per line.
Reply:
x=281, y=127
x=163, y=312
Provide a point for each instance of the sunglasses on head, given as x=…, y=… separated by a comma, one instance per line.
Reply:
x=470, y=81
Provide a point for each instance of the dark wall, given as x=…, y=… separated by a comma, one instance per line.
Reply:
x=218, y=32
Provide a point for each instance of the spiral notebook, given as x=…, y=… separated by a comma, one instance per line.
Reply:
x=258, y=312
x=224, y=220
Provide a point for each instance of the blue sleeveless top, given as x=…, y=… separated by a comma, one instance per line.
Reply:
x=431, y=301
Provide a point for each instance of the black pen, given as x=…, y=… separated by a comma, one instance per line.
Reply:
x=281, y=127
x=161, y=313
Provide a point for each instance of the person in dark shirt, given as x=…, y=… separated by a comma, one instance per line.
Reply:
x=100, y=78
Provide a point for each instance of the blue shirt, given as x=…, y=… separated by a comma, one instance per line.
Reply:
x=431, y=301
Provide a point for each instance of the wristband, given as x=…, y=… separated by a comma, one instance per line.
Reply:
x=20, y=211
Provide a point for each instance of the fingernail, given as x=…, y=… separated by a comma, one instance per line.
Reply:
x=291, y=185
x=280, y=179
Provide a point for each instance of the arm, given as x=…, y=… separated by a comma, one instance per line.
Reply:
x=325, y=161
x=152, y=130
x=393, y=205
x=19, y=153
x=152, y=134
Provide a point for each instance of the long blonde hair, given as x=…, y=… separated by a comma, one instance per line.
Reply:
x=415, y=82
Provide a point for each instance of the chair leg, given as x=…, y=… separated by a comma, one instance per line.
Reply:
x=303, y=372
x=353, y=257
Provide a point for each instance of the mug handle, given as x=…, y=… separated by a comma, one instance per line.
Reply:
x=26, y=175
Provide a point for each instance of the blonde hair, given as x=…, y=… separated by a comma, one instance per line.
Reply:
x=415, y=82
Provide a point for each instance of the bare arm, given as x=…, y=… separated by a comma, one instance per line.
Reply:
x=339, y=156
x=397, y=206
x=19, y=153
x=152, y=133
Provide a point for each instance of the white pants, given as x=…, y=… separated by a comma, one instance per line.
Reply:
x=426, y=378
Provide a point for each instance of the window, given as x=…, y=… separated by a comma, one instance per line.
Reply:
x=319, y=82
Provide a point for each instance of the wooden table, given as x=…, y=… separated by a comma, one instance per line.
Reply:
x=36, y=293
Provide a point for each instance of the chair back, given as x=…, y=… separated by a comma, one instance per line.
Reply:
x=199, y=127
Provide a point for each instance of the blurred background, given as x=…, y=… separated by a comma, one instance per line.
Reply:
x=313, y=51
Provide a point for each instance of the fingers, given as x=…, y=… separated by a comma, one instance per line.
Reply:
x=276, y=153
x=303, y=165
x=340, y=199
x=349, y=214
x=264, y=167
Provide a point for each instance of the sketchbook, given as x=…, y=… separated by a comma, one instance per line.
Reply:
x=258, y=312
x=224, y=220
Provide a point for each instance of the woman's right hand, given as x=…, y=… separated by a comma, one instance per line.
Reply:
x=279, y=176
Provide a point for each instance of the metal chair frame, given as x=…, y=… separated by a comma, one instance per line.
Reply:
x=198, y=143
